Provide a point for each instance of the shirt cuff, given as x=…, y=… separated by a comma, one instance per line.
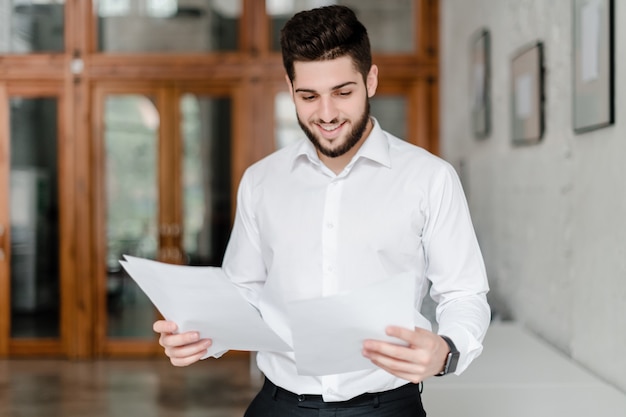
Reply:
x=467, y=345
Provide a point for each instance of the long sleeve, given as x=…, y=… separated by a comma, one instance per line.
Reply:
x=243, y=261
x=456, y=269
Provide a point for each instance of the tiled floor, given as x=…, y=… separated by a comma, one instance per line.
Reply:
x=52, y=388
x=518, y=375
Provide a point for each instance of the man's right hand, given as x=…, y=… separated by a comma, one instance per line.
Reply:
x=183, y=349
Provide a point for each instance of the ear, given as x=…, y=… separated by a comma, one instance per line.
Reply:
x=372, y=81
x=289, y=85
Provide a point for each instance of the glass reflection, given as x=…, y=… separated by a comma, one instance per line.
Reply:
x=206, y=135
x=131, y=140
x=34, y=207
x=390, y=111
x=28, y=26
x=168, y=25
x=287, y=127
x=390, y=23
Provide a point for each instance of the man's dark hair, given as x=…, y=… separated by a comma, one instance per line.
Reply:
x=325, y=33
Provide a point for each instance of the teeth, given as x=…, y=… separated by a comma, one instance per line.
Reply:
x=330, y=128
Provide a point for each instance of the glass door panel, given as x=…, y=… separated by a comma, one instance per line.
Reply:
x=391, y=23
x=206, y=179
x=391, y=113
x=166, y=189
x=28, y=26
x=131, y=137
x=287, y=128
x=34, y=219
x=168, y=26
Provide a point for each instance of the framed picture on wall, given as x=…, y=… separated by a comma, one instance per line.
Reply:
x=527, y=95
x=479, y=81
x=593, y=66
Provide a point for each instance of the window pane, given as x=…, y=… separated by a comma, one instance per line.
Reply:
x=28, y=26
x=390, y=23
x=287, y=127
x=131, y=140
x=168, y=25
x=390, y=111
x=34, y=218
x=206, y=178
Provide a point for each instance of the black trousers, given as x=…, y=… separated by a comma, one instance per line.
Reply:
x=273, y=401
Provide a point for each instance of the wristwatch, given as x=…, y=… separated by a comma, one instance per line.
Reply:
x=452, y=359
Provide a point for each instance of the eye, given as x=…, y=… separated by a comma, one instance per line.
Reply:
x=343, y=93
x=309, y=97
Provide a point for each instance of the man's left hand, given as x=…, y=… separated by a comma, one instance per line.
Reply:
x=424, y=356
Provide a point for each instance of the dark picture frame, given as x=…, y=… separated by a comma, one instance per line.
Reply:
x=527, y=95
x=480, y=77
x=593, y=67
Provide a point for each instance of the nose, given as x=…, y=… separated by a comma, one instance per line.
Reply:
x=327, y=110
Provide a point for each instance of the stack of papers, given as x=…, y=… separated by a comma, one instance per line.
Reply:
x=327, y=333
x=202, y=299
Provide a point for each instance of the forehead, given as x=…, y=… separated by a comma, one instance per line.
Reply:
x=323, y=75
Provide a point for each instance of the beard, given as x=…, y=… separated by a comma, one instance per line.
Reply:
x=351, y=139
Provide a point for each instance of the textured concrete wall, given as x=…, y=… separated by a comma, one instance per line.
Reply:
x=551, y=218
x=5, y=27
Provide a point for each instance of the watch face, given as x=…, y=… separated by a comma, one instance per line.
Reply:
x=453, y=357
x=453, y=360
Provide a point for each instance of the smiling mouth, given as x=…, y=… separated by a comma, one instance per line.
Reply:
x=328, y=130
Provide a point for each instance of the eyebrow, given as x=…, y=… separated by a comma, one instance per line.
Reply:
x=337, y=87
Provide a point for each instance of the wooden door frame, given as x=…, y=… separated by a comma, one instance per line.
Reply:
x=103, y=346
x=166, y=95
x=5, y=239
x=65, y=158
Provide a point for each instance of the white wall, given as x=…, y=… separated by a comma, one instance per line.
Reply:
x=551, y=218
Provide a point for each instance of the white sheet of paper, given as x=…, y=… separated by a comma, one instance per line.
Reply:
x=204, y=300
x=328, y=332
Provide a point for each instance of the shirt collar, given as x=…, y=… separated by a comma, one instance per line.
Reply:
x=375, y=148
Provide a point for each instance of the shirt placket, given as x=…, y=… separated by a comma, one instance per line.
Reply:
x=330, y=266
x=330, y=238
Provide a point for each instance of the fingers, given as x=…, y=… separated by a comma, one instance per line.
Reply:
x=378, y=349
x=400, y=361
x=414, y=362
x=414, y=337
x=183, y=348
x=164, y=326
x=184, y=355
x=393, y=356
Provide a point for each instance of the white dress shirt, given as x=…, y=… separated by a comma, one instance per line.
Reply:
x=301, y=232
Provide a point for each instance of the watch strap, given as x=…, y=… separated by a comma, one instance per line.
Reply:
x=452, y=359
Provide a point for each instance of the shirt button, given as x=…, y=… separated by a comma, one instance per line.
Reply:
x=330, y=225
x=301, y=397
